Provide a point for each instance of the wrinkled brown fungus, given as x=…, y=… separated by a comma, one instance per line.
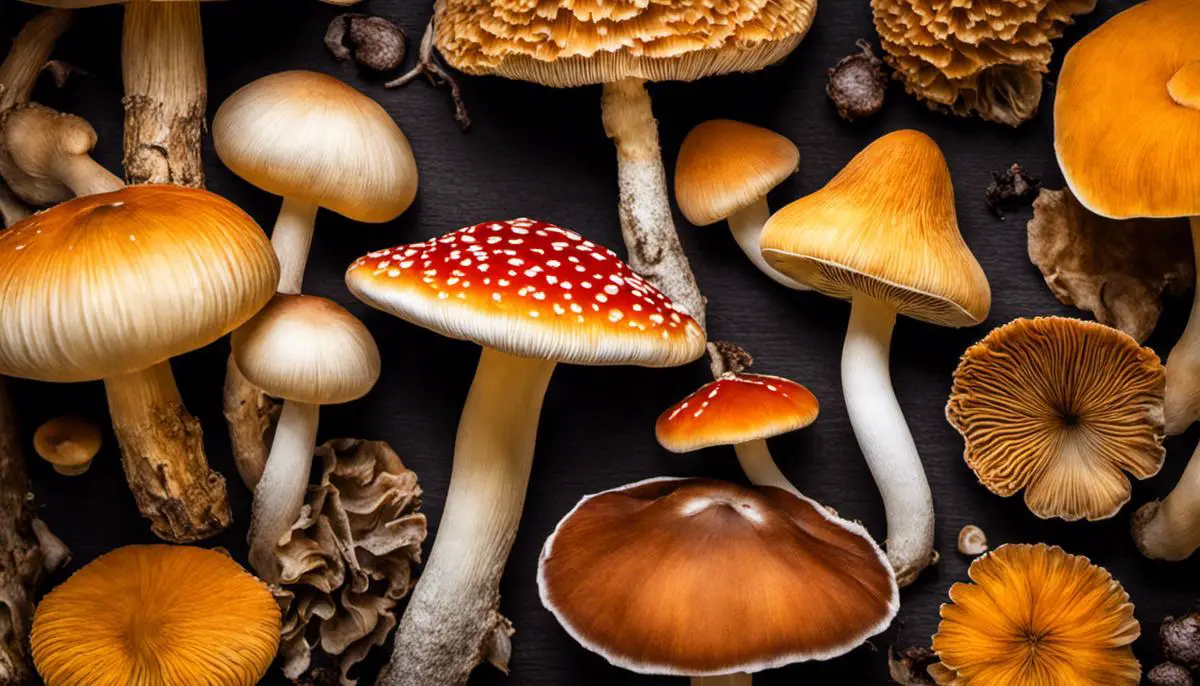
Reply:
x=910, y=666
x=1169, y=674
x=857, y=85
x=375, y=43
x=1010, y=189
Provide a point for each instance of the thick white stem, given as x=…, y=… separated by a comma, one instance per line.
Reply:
x=760, y=467
x=884, y=438
x=725, y=680
x=1170, y=529
x=452, y=622
x=746, y=225
x=280, y=492
x=291, y=239
x=1182, y=403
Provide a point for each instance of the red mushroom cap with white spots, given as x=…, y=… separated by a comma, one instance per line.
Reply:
x=736, y=409
x=530, y=289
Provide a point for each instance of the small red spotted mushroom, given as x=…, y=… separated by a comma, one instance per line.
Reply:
x=533, y=295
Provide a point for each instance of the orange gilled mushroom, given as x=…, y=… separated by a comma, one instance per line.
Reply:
x=1063, y=409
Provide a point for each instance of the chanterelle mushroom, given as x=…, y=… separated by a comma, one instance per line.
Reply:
x=884, y=235
x=533, y=295
x=701, y=578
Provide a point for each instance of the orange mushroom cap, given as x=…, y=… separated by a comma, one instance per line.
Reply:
x=735, y=409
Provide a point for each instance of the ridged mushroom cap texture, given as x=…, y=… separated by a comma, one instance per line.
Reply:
x=724, y=166
x=1127, y=113
x=885, y=227
x=1063, y=409
x=1035, y=615
x=156, y=615
x=695, y=577
x=308, y=349
x=115, y=283
x=530, y=289
x=308, y=136
x=735, y=409
x=565, y=43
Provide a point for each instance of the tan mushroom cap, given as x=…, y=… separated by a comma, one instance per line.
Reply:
x=308, y=349
x=697, y=577
x=735, y=409
x=68, y=443
x=34, y=137
x=566, y=43
x=115, y=283
x=1127, y=113
x=308, y=136
x=886, y=227
x=725, y=166
x=1061, y=408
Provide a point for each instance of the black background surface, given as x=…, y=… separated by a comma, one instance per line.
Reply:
x=542, y=153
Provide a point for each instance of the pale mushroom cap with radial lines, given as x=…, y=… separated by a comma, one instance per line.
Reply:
x=713, y=578
x=1127, y=113
x=308, y=136
x=735, y=409
x=886, y=227
x=566, y=43
x=1061, y=408
x=530, y=289
x=308, y=349
x=115, y=283
x=725, y=166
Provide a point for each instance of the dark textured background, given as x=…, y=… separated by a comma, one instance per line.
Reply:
x=538, y=152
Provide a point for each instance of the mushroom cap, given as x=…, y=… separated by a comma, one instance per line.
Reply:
x=564, y=43
x=115, y=283
x=1062, y=408
x=34, y=137
x=530, y=289
x=885, y=227
x=1127, y=113
x=725, y=166
x=1037, y=615
x=156, y=614
x=736, y=408
x=67, y=442
x=308, y=349
x=713, y=578
x=308, y=136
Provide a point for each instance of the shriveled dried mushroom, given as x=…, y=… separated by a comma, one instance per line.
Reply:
x=1116, y=269
x=909, y=666
x=857, y=84
x=1011, y=189
x=984, y=57
x=375, y=43
x=1180, y=639
x=972, y=541
x=1169, y=674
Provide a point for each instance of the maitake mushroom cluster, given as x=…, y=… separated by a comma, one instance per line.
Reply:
x=984, y=57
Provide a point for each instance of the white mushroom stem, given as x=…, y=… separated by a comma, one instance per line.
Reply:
x=884, y=438
x=760, y=467
x=1182, y=402
x=746, y=225
x=280, y=492
x=291, y=238
x=726, y=680
x=1170, y=529
x=453, y=621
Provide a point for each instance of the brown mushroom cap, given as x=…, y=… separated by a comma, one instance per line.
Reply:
x=699, y=577
x=68, y=443
x=735, y=409
x=1061, y=408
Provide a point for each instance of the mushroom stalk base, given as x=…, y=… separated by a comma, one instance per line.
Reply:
x=884, y=438
x=251, y=416
x=453, y=621
x=746, y=225
x=1170, y=529
x=162, y=450
x=725, y=680
x=20, y=556
x=291, y=238
x=85, y=176
x=280, y=492
x=1182, y=401
x=760, y=467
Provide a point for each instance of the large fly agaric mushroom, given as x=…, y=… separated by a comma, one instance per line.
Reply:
x=533, y=295
x=111, y=286
x=884, y=235
x=1061, y=408
x=622, y=44
x=701, y=578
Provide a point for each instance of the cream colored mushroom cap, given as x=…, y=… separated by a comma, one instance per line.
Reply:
x=308, y=136
x=725, y=166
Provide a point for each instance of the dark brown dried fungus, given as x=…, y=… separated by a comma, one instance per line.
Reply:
x=375, y=43
x=1169, y=674
x=1011, y=189
x=857, y=84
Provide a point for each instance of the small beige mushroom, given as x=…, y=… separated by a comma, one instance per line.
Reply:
x=972, y=541
x=68, y=443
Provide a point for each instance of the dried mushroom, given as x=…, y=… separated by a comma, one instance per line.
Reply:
x=348, y=560
x=910, y=666
x=972, y=541
x=1169, y=674
x=375, y=43
x=984, y=57
x=857, y=84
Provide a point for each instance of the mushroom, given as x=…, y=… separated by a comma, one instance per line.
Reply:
x=111, y=286
x=1103, y=80
x=68, y=443
x=532, y=295
x=707, y=579
x=622, y=45
x=1036, y=615
x=724, y=171
x=46, y=158
x=1063, y=409
x=884, y=235
x=311, y=352
x=972, y=542
x=157, y=614
x=742, y=410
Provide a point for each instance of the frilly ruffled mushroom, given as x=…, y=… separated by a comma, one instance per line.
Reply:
x=348, y=560
x=984, y=57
